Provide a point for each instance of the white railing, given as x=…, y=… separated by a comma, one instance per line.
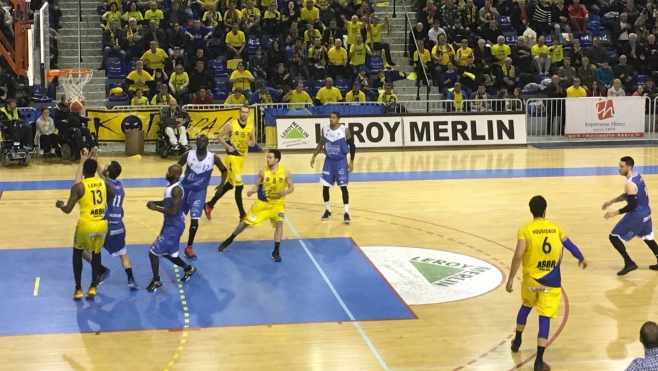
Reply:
x=469, y=105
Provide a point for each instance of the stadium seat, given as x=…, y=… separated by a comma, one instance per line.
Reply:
x=548, y=39
x=40, y=95
x=252, y=44
x=605, y=37
x=511, y=40
x=613, y=57
x=219, y=65
x=317, y=85
x=375, y=63
x=595, y=27
x=307, y=86
x=585, y=41
x=131, y=66
x=220, y=95
x=505, y=23
x=594, y=18
x=223, y=86
x=639, y=79
x=115, y=70
x=343, y=85
x=123, y=98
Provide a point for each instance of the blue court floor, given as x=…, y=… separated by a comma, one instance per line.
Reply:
x=238, y=287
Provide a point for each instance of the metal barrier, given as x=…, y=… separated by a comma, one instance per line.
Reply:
x=470, y=105
x=546, y=119
x=354, y=104
x=407, y=28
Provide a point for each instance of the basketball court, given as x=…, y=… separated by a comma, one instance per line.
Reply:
x=416, y=282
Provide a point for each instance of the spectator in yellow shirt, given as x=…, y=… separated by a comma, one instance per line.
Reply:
x=232, y=16
x=310, y=14
x=500, y=51
x=298, y=95
x=242, y=78
x=329, y=93
x=541, y=60
x=388, y=97
x=358, y=53
x=235, y=44
x=576, y=91
x=154, y=58
x=462, y=54
x=178, y=82
x=353, y=29
x=133, y=13
x=139, y=99
x=163, y=97
x=154, y=13
x=112, y=15
x=423, y=62
x=337, y=60
x=375, y=38
x=138, y=79
x=236, y=98
x=251, y=21
x=355, y=95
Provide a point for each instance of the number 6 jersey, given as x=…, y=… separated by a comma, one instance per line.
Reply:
x=543, y=253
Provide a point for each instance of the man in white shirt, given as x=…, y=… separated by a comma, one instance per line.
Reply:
x=434, y=32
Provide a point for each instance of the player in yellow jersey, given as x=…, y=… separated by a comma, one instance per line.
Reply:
x=539, y=250
x=274, y=184
x=242, y=135
x=92, y=195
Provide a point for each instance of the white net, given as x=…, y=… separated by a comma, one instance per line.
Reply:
x=74, y=82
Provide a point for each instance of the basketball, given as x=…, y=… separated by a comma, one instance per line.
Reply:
x=76, y=106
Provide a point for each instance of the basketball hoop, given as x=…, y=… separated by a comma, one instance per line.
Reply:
x=73, y=80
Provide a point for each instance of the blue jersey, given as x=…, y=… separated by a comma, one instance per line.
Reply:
x=335, y=143
x=114, y=213
x=642, y=195
x=173, y=221
x=198, y=171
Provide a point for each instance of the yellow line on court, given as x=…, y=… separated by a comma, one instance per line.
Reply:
x=36, y=286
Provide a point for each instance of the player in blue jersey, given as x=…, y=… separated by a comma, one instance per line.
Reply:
x=198, y=171
x=637, y=221
x=115, y=239
x=337, y=142
x=172, y=229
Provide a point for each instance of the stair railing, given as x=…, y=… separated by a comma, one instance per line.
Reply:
x=408, y=26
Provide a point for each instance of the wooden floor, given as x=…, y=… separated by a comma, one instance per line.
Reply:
x=597, y=330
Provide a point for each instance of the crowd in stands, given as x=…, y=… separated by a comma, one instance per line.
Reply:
x=247, y=51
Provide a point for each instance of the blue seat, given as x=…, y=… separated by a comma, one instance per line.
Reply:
x=595, y=27
x=585, y=41
x=343, y=85
x=605, y=37
x=131, y=66
x=504, y=23
x=219, y=66
x=223, y=86
x=548, y=39
x=593, y=17
x=123, y=98
x=40, y=95
x=375, y=63
x=307, y=86
x=511, y=40
x=317, y=85
x=219, y=95
x=639, y=79
x=252, y=44
x=613, y=57
x=115, y=70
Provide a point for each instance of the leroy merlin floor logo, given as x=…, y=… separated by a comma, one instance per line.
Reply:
x=425, y=276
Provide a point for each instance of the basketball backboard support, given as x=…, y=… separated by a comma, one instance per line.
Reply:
x=39, y=48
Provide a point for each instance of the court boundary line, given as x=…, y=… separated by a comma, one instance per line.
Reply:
x=338, y=298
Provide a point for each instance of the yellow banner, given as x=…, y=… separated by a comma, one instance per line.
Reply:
x=111, y=125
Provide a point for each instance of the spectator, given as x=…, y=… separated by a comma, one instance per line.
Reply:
x=471, y=17
x=624, y=72
x=202, y=97
x=555, y=105
x=508, y=76
x=154, y=14
x=328, y=93
x=649, y=339
x=199, y=57
x=490, y=33
x=616, y=89
x=556, y=52
x=566, y=73
x=449, y=13
x=487, y=14
x=463, y=53
x=242, y=78
x=622, y=29
x=175, y=15
x=153, y=33
x=265, y=94
x=375, y=38
x=650, y=87
x=272, y=20
x=288, y=16
x=541, y=18
x=8, y=115
x=470, y=76
x=520, y=17
x=176, y=39
x=575, y=90
x=458, y=97
x=500, y=104
x=45, y=135
x=387, y=97
x=211, y=18
x=634, y=51
x=434, y=33
x=139, y=99
x=331, y=33
x=362, y=78
x=162, y=97
x=417, y=33
x=541, y=60
x=500, y=51
x=199, y=35
x=651, y=54
x=640, y=92
x=112, y=44
x=310, y=34
x=317, y=60
x=154, y=58
x=201, y=76
x=423, y=64
x=586, y=73
x=605, y=76
x=596, y=53
x=235, y=44
x=448, y=79
x=311, y=14
x=560, y=18
x=237, y=98
x=516, y=101
x=442, y=53
x=282, y=80
x=456, y=33
x=133, y=39
x=258, y=64
x=276, y=55
x=358, y=53
x=578, y=16
x=298, y=95
x=337, y=60
x=251, y=21
x=428, y=14
x=112, y=15
x=484, y=58
x=355, y=95
x=481, y=98
x=595, y=90
x=632, y=10
x=133, y=13
x=138, y=79
x=353, y=28
x=179, y=83
x=174, y=117
x=233, y=17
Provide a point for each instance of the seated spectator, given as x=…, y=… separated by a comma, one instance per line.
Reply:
x=133, y=12
x=162, y=97
x=328, y=93
x=434, y=32
x=458, y=97
x=634, y=51
x=650, y=87
x=317, y=60
x=10, y=114
x=282, y=80
x=288, y=16
x=310, y=14
x=556, y=52
x=112, y=44
x=500, y=104
x=578, y=16
x=201, y=76
x=541, y=18
x=176, y=39
x=508, y=76
x=463, y=53
x=521, y=56
x=520, y=17
x=355, y=95
x=298, y=95
x=200, y=56
x=448, y=79
x=487, y=14
x=112, y=15
x=133, y=40
x=449, y=14
x=428, y=14
x=138, y=79
x=265, y=95
x=310, y=34
x=622, y=29
x=362, y=78
x=154, y=14
x=375, y=38
x=236, y=44
x=423, y=64
x=139, y=99
x=272, y=20
x=605, y=76
x=595, y=90
x=456, y=33
x=484, y=58
x=276, y=55
x=500, y=51
x=232, y=16
x=651, y=54
x=471, y=17
x=202, y=96
x=632, y=10
x=560, y=19
x=566, y=73
x=338, y=60
x=624, y=72
x=258, y=64
x=442, y=53
x=159, y=77
x=211, y=18
x=387, y=96
x=179, y=82
x=586, y=73
x=358, y=53
x=541, y=60
x=418, y=33
x=199, y=35
x=236, y=98
x=480, y=99
x=251, y=20
x=242, y=78
x=154, y=58
x=470, y=76
x=175, y=15
x=596, y=53
x=575, y=90
x=173, y=118
x=649, y=339
x=640, y=92
x=153, y=33
x=490, y=32
x=176, y=59
x=616, y=90
x=516, y=101
x=364, y=12
x=46, y=137
x=331, y=33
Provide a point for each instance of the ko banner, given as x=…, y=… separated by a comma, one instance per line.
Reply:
x=368, y=131
x=111, y=125
x=605, y=117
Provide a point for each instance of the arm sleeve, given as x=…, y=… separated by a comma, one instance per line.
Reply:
x=350, y=143
x=573, y=249
x=630, y=206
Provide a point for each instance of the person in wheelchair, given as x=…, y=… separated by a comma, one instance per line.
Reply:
x=13, y=125
x=173, y=118
x=73, y=130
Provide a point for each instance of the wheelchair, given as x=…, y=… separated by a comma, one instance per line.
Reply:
x=12, y=149
x=164, y=148
x=69, y=146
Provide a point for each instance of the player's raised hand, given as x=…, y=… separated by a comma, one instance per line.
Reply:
x=510, y=285
x=583, y=263
x=85, y=155
x=59, y=204
x=312, y=162
x=606, y=205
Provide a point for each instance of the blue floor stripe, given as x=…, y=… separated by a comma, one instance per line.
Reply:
x=361, y=177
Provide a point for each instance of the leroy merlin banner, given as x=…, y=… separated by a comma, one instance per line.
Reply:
x=111, y=125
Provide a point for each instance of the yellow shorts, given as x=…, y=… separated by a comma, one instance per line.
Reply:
x=90, y=236
x=546, y=299
x=234, y=165
x=264, y=210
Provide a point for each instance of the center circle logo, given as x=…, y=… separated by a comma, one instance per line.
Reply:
x=426, y=276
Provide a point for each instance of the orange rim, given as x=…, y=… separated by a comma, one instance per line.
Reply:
x=68, y=71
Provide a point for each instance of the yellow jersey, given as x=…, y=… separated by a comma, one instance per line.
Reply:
x=325, y=95
x=424, y=56
x=360, y=52
x=154, y=60
x=557, y=54
x=353, y=29
x=156, y=15
x=139, y=80
x=233, y=100
x=350, y=97
x=462, y=55
x=302, y=97
x=240, y=135
x=443, y=52
x=243, y=84
x=235, y=40
x=336, y=57
x=143, y=101
x=543, y=253
x=311, y=15
x=273, y=183
x=93, y=202
x=500, y=52
x=536, y=49
x=179, y=79
x=374, y=34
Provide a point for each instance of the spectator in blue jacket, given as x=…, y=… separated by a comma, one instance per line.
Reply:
x=449, y=78
x=266, y=95
x=605, y=76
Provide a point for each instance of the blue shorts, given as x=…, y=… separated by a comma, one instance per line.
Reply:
x=115, y=239
x=634, y=225
x=193, y=203
x=335, y=171
x=168, y=241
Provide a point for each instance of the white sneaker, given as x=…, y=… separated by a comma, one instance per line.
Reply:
x=41, y=152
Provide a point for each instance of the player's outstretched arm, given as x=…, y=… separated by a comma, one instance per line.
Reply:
x=76, y=193
x=516, y=263
x=290, y=187
x=619, y=198
x=575, y=251
x=84, y=156
x=631, y=198
x=318, y=148
x=254, y=189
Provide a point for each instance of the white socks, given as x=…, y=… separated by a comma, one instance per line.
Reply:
x=327, y=207
x=347, y=208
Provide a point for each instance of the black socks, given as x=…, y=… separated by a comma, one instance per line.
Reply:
x=619, y=246
x=77, y=267
x=194, y=225
x=238, y=200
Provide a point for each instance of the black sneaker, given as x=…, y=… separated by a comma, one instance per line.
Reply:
x=223, y=246
x=326, y=215
x=654, y=267
x=515, y=346
x=153, y=286
x=188, y=274
x=627, y=269
x=346, y=218
x=276, y=256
